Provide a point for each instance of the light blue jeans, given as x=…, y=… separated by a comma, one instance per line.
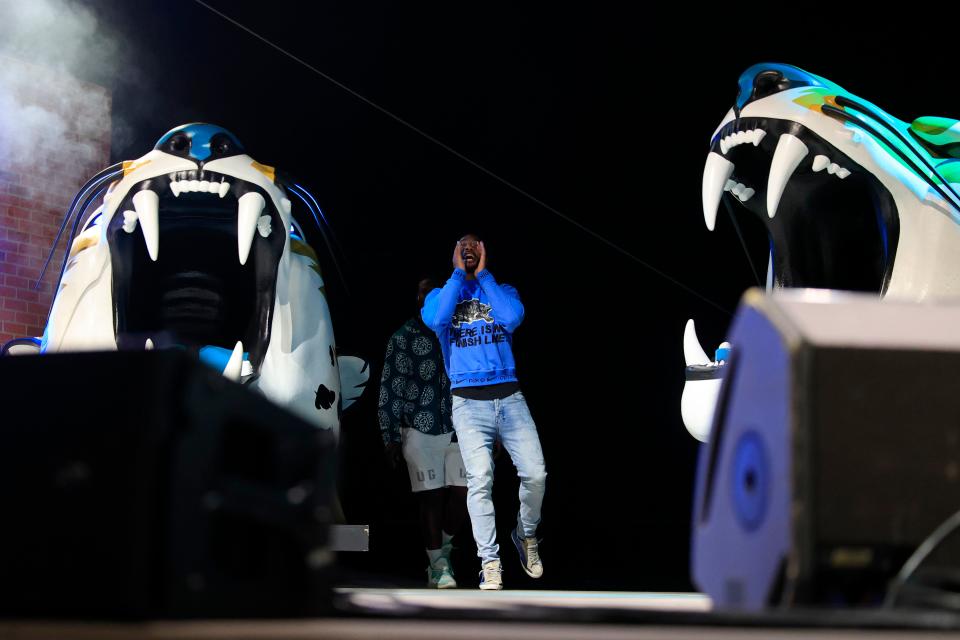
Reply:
x=479, y=423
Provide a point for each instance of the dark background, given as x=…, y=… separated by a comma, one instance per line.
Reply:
x=603, y=113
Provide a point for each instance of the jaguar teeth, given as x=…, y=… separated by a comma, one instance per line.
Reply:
x=752, y=136
x=740, y=190
x=716, y=173
x=199, y=186
x=234, y=367
x=821, y=162
x=129, y=221
x=249, y=208
x=147, y=205
x=264, y=226
x=790, y=152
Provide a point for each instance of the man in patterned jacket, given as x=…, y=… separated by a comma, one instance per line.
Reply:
x=414, y=414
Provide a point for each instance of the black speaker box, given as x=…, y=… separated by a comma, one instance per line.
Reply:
x=145, y=485
x=834, y=452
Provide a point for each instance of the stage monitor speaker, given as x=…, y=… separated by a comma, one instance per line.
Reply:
x=145, y=485
x=834, y=452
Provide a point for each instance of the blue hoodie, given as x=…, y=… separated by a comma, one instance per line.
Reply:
x=475, y=320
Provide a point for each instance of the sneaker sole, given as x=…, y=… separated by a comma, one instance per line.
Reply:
x=498, y=587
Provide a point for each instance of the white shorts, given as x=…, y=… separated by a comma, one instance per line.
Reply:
x=432, y=461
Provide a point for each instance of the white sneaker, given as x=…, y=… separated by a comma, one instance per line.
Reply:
x=440, y=575
x=490, y=579
x=529, y=550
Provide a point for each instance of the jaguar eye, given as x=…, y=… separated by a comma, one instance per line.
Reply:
x=769, y=78
x=768, y=83
x=179, y=143
x=222, y=145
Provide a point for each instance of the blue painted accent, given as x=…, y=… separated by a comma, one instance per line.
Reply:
x=92, y=221
x=722, y=354
x=791, y=73
x=200, y=135
x=217, y=357
x=750, y=480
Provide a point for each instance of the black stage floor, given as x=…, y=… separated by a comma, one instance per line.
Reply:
x=421, y=614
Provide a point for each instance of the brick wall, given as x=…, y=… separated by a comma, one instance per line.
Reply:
x=54, y=135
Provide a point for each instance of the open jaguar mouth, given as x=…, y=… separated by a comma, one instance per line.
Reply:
x=195, y=257
x=829, y=221
x=842, y=194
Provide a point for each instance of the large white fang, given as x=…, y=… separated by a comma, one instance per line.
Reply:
x=235, y=364
x=693, y=353
x=248, y=214
x=715, y=175
x=147, y=204
x=223, y=188
x=790, y=151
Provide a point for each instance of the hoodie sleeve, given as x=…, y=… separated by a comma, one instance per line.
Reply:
x=437, y=312
x=507, y=308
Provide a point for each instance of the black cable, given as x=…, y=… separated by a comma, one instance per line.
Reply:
x=743, y=242
x=73, y=233
x=926, y=547
x=476, y=165
x=299, y=192
x=66, y=217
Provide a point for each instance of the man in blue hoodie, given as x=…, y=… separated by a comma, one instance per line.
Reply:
x=474, y=318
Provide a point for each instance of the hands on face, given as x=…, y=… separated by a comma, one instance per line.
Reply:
x=482, y=261
x=458, y=262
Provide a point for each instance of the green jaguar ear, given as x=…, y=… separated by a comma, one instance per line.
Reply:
x=941, y=136
x=950, y=170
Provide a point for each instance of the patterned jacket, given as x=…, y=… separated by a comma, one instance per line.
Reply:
x=414, y=388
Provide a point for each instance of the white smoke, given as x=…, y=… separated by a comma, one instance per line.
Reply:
x=58, y=33
x=46, y=113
